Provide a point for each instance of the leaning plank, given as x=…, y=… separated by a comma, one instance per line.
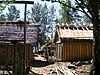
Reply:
x=9, y=72
x=69, y=71
x=60, y=69
x=57, y=72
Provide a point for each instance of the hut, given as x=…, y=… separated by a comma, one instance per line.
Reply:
x=12, y=41
x=73, y=42
x=48, y=49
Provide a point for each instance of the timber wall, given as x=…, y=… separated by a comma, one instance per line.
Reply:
x=79, y=51
x=75, y=51
x=7, y=53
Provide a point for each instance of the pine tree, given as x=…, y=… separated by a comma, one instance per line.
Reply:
x=42, y=14
x=13, y=13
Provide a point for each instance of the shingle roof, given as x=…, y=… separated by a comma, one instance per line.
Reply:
x=14, y=30
x=80, y=31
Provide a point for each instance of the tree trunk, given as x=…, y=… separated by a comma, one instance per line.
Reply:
x=96, y=51
x=94, y=8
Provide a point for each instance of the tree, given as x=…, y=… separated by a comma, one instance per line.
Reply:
x=2, y=16
x=13, y=13
x=2, y=7
x=45, y=16
x=44, y=23
x=91, y=8
x=86, y=19
x=52, y=19
x=66, y=13
x=4, y=4
x=39, y=14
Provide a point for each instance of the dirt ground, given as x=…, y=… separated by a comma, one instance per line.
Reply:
x=41, y=67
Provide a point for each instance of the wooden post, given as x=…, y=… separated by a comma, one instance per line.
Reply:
x=14, y=58
x=25, y=55
x=18, y=58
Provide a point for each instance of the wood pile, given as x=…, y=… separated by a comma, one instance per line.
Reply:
x=62, y=68
x=65, y=71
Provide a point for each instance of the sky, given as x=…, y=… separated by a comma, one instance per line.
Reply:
x=29, y=6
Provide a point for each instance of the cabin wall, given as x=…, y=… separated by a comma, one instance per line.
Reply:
x=58, y=52
x=75, y=51
x=7, y=53
x=29, y=52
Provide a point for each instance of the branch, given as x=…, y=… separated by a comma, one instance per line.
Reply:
x=90, y=11
x=87, y=7
x=61, y=2
x=84, y=10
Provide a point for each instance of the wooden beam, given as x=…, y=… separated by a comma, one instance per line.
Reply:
x=20, y=2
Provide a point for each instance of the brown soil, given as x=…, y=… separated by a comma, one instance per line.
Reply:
x=41, y=67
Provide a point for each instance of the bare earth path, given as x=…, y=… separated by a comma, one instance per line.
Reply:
x=41, y=67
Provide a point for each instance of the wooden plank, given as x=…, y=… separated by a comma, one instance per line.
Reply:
x=76, y=51
x=73, y=50
x=65, y=52
x=57, y=72
x=20, y=2
x=59, y=68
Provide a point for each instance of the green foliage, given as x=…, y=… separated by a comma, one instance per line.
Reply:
x=2, y=7
x=86, y=19
x=63, y=4
x=2, y=17
x=4, y=4
x=13, y=13
x=68, y=15
x=36, y=12
x=65, y=12
x=52, y=18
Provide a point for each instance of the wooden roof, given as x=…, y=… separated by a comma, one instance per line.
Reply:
x=79, y=31
x=14, y=22
x=14, y=30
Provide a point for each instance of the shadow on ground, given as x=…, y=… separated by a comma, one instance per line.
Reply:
x=39, y=63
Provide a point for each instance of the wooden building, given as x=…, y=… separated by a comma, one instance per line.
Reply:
x=73, y=42
x=7, y=52
x=48, y=49
x=12, y=41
